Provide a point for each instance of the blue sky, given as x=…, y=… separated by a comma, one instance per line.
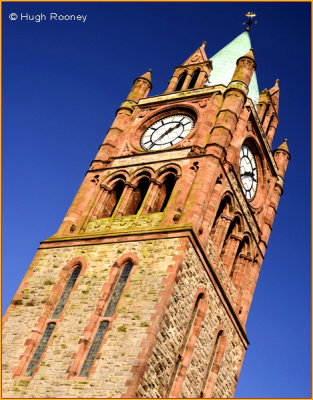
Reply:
x=62, y=83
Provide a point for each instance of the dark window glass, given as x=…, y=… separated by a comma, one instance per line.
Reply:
x=121, y=282
x=40, y=349
x=194, y=79
x=181, y=81
x=66, y=292
x=109, y=311
x=94, y=349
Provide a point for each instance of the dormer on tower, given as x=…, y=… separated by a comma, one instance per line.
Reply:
x=192, y=74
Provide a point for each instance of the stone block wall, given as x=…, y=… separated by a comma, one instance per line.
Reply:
x=193, y=277
x=120, y=351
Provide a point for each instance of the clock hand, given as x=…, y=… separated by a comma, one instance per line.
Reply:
x=248, y=173
x=166, y=132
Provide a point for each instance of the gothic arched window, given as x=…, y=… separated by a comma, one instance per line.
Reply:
x=181, y=81
x=138, y=196
x=164, y=193
x=213, y=366
x=43, y=343
x=105, y=321
x=194, y=79
x=113, y=200
x=185, y=346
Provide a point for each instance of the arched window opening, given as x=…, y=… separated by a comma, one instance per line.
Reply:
x=183, y=345
x=241, y=245
x=233, y=227
x=164, y=193
x=181, y=81
x=66, y=293
x=138, y=196
x=225, y=206
x=42, y=345
x=242, y=249
x=194, y=79
x=215, y=359
x=104, y=323
x=40, y=349
x=113, y=200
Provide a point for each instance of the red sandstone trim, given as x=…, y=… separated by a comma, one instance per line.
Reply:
x=186, y=353
x=216, y=362
x=96, y=318
x=32, y=342
x=182, y=233
x=156, y=321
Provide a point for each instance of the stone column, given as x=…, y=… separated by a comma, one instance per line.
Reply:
x=220, y=232
x=153, y=192
x=101, y=201
x=125, y=198
x=229, y=251
x=239, y=274
x=252, y=274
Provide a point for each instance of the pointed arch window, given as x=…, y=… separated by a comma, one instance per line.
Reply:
x=213, y=365
x=181, y=81
x=113, y=199
x=43, y=343
x=164, y=194
x=105, y=321
x=138, y=196
x=184, y=344
x=194, y=78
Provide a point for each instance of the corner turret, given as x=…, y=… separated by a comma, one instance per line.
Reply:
x=282, y=157
x=141, y=88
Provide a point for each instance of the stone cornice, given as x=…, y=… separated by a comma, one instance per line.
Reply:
x=186, y=94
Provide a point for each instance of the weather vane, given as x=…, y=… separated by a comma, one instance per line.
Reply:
x=250, y=15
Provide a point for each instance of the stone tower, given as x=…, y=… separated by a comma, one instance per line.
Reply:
x=145, y=289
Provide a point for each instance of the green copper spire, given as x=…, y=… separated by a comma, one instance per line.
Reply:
x=224, y=64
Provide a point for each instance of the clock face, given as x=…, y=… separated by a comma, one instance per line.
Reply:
x=166, y=132
x=248, y=172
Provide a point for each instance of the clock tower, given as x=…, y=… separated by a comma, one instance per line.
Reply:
x=145, y=289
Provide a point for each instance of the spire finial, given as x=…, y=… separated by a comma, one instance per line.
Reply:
x=203, y=43
x=250, y=15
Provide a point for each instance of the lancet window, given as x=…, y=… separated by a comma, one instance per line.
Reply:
x=43, y=343
x=213, y=365
x=186, y=345
x=164, y=193
x=113, y=199
x=105, y=321
x=194, y=78
x=181, y=81
x=137, y=196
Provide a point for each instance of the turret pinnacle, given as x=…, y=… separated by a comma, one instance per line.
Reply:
x=282, y=157
x=248, y=55
x=142, y=86
x=147, y=75
x=283, y=147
